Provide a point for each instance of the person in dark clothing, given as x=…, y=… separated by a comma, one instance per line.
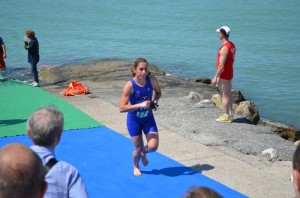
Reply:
x=33, y=54
x=2, y=54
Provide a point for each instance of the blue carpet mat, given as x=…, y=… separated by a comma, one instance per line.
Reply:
x=103, y=157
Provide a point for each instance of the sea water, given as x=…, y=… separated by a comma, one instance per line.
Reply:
x=179, y=36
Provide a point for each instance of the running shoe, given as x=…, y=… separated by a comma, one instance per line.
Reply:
x=224, y=118
x=35, y=84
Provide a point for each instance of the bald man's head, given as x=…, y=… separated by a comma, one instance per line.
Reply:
x=21, y=172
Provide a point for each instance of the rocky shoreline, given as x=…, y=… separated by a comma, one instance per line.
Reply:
x=188, y=107
x=250, y=112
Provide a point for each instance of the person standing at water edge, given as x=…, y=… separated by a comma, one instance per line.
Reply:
x=33, y=55
x=2, y=54
x=138, y=92
x=224, y=74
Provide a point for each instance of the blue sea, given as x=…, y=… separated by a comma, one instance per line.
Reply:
x=179, y=36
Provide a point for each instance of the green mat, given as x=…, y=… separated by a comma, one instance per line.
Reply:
x=18, y=101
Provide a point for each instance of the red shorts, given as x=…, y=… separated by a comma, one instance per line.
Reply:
x=227, y=73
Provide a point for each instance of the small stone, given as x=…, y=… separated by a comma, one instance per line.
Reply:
x=205, y=104
x=91, y=96
x=167, y=74
x=195, y=96
x=271, y=154
x=297, y=143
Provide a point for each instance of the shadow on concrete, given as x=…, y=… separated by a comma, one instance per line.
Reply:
x=202, y=167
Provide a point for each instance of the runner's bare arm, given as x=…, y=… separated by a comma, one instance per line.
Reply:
x=156, y=88
x=124, y=105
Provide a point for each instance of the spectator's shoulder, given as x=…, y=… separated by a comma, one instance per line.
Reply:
x=66, y=168
x=73, y=178
x=66, y=165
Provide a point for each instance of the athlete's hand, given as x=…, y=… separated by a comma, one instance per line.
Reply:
x=145, y=104
x=214, y=82
x=154, y=105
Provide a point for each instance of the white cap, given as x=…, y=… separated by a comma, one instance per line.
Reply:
x=227, y=29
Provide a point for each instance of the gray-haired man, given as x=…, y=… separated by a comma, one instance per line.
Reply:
x=45, y=127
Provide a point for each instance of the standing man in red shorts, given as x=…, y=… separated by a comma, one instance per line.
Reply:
x=224, y=73
x=2, y=54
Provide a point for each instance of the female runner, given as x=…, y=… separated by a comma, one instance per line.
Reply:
x=136, y=100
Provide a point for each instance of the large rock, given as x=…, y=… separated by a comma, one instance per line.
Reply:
x=203, y=80
x=216, y=98
x=248, y=110
x=155, y=70
x=245, y=108
x=117, y=72
x=94, y=71
x=237, y=96
x=286, y=132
